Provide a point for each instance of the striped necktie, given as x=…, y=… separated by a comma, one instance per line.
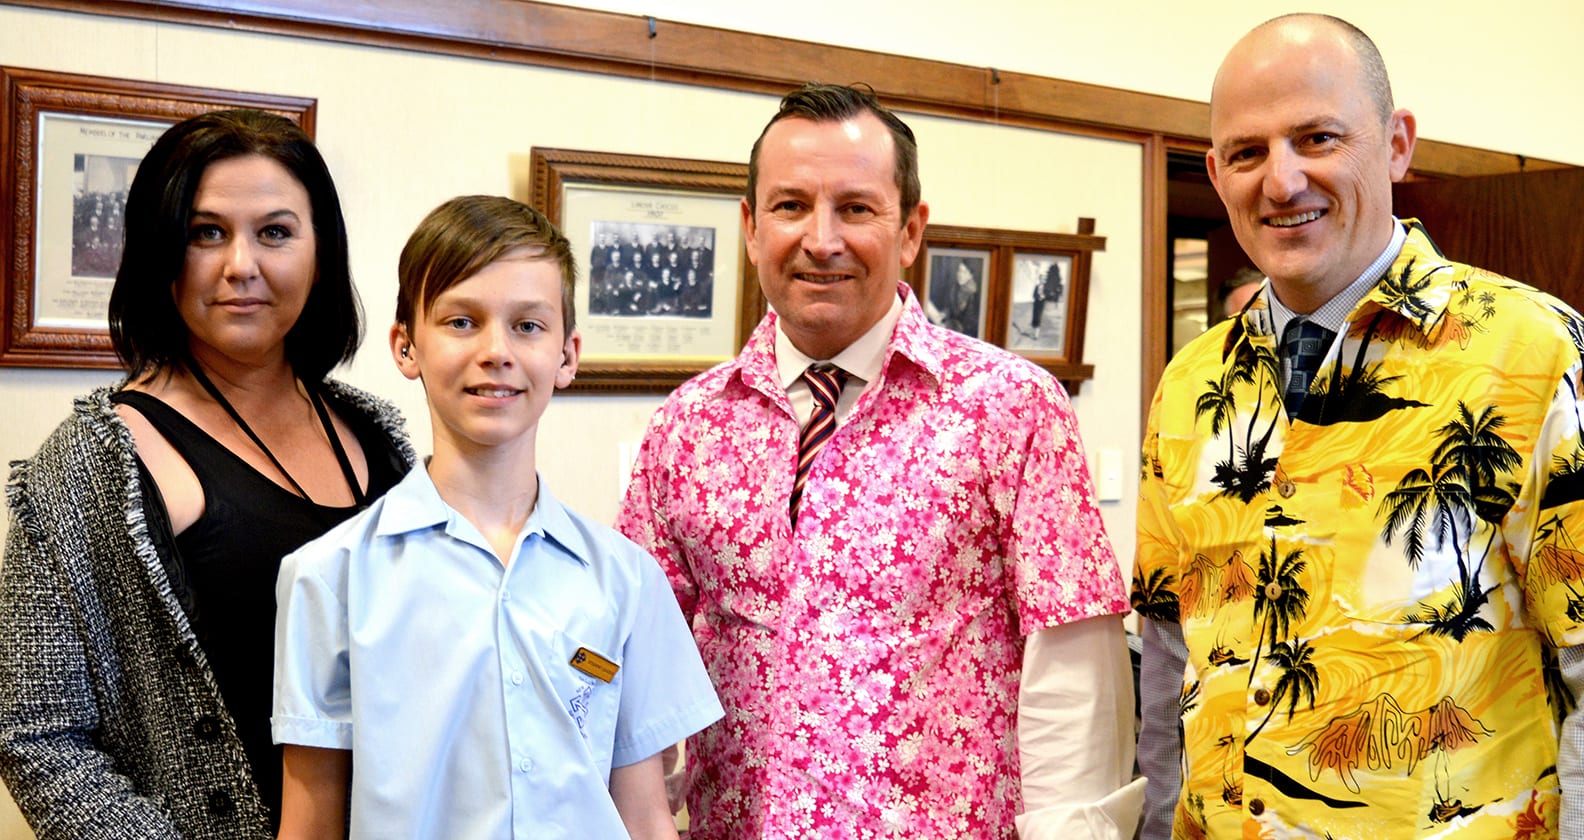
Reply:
x=825, y=383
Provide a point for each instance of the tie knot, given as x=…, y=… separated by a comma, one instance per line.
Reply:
x=826, y=381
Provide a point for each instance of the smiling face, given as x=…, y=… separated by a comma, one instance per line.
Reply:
x=490, y=351
x=250, y=261
x=827, y=232
x=1302, y=159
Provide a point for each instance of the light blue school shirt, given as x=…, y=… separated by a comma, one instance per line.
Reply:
x=401, y=637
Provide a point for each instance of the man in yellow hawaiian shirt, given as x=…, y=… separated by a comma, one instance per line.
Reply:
x=1360, y=581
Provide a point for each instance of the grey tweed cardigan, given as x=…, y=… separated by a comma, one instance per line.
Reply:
x=111, y=723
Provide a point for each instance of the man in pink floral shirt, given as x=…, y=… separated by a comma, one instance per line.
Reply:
x=931, y=643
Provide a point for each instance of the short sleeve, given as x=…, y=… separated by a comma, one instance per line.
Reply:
x=1555, y=571
x=313, y=698
x=642, y=520
x=1062, y=563
x=666, y=693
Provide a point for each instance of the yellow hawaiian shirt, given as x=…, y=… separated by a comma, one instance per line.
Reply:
x=1372, y=594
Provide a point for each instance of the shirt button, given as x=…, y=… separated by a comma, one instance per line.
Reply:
x=1261, y=698
x=220, y=803
x=1273, y=591
x=505, y=596
x=207, y=728
x=525, y=765
x=1256, y=806
x=517, y=678
x=1286, y=489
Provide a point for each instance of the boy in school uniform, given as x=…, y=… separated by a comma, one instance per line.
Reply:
x=468, y=656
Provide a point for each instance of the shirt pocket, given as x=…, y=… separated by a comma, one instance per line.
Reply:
x=1416, y=562
x=588, y=701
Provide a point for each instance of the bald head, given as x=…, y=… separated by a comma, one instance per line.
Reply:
x=1304, y=148
x=1303, y=31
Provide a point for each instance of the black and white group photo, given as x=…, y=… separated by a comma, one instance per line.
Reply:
x=98, y=210
x=642, y=270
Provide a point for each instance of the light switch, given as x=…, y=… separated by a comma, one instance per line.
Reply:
x=1110, y=489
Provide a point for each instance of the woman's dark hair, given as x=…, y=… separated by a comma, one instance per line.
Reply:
x=145, y=326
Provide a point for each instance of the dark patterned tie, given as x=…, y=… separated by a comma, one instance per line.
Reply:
x=825, y=383
x=1304, y=344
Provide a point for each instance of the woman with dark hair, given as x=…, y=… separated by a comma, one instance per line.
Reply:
x=954, y=296
x=137, y=595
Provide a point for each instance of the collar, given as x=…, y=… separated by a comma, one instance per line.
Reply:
x=1333, y=314
x=862, y=358
x=1421, y=284
x=415, y=504
x=914, y=339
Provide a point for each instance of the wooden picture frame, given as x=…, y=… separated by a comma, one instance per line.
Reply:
x=649, y=330
x=1025, y=269
x=72, y=145
x=955, y=292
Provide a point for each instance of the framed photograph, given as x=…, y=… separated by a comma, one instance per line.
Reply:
x=73, y=144
x=955, y=289
x=1030, y=290
x=667, y=290
x=1037, y=317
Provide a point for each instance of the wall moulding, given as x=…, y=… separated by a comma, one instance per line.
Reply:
x=631, y=45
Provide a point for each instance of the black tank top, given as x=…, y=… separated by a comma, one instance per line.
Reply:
x=229, y=558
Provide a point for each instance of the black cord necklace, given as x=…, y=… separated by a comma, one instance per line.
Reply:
x=317, y=402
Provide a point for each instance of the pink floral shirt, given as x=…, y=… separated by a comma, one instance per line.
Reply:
x=869, y=662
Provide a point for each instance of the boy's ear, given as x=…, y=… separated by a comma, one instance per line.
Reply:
x=569, y=359
x=403, y=352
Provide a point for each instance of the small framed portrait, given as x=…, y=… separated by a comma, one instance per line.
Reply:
x=667, y=289
x=1029, y=290
x=956, y=289
x=73, y=144
x=1038, y=315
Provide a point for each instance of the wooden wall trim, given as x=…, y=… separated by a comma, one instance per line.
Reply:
x=1154, y=311
x=526, y=32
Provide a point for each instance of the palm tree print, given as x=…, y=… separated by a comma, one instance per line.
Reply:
x=1247, y=473
x=1566, y=482
x=1441, y=499
x=1220, y=403
x=1279, y=598
x=1299, y=678
x=1467, y=468
x=1188, y=699
x=1460, y=615
x=1472, y=440
x=1437, y=499
x=1153, y=598
x=1360, y=396
x=1404, y=292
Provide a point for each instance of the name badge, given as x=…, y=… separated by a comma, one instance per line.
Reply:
x=594, y=665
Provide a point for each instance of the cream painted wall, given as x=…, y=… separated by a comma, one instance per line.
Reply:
x=403, y=132
x=1496, y=76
